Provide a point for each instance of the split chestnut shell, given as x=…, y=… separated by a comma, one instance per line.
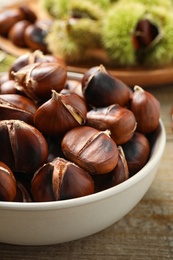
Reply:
x=91, y=149
x=59, y=180
x=38, y=79
x=23, y=148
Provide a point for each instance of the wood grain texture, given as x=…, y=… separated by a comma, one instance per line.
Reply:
x=146, y=233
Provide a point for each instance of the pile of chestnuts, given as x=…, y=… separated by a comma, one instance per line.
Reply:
x=21, y=26
x=62, y=138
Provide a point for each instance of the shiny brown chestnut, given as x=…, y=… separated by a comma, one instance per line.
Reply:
x=146, y=109
x=7, y=183
x=91, y=149
x=20, y=101
x=30, y=58
x=73, y=86
x=29, y=14
x=16, y=33
x=8, y=18
x=10, y=111
x=8, y=87
x=137, y=151
x=35, y=38
x=60, y=113
x=22, y=195
x=23, y=148
x=38, y=79
x=118, y=175
x=119, y=120
x=60, y=180
x=101, y=89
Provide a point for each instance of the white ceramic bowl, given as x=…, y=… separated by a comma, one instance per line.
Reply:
x=61, y=221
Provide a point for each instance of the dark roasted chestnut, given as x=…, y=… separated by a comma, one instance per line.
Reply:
x=100, y=89
x=60, y=180
x=38, y=79
x=7, y=183
x=119, y=120
x=60, y=113
x=146, y=109
x=91, y=149
x=23, y=148
x=137, y=151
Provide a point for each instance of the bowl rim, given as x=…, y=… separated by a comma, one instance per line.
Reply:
x=156, y=154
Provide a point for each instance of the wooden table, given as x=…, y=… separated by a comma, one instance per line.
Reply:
x=145, y=233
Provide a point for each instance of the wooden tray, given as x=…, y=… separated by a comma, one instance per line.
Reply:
x=138, y=76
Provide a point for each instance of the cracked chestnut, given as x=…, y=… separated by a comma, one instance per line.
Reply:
x=60, y=180
x=23, y=148
x=91, y=149
x=7, y=183
x=60, y=113
x=119, y=120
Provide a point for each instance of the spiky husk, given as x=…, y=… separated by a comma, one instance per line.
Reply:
x=162, y=53
x=117, y=29
x=71, y=40
x=150, y=3
x=57, y=9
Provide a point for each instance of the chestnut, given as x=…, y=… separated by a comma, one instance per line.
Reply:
x=145, y=34
x=38, y=79
x=136, y=151
x=30, y=58
x=16, y=33
x=11, y=111
x=100, y=89
x=60, y=180
x=119, y=120
x=118, y=175
x=146, y=109
x=35, y=38
x=91, y=149
x=7, y=183
x=8, y=18
x=23, y=148
x=8, y=87
x=73, y=86
x=22, y=195
x=28, y=13
x=20, y=101
x=60, y=113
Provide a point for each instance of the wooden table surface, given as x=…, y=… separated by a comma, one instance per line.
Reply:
x=145, y=233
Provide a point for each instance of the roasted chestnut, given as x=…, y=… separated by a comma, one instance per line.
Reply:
x=119, y=120
x=38, y=79
x=30, y=58
x=20, y=101
x=22, y=195
x=137, y=151
x=100, y=89
x=60, y=180
x=60, y=113
x=7, y=183
x=11, y=111
x=146, y=109
x=23, y=148
x=8, y=87
x=91, y=149
x=118, y=175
